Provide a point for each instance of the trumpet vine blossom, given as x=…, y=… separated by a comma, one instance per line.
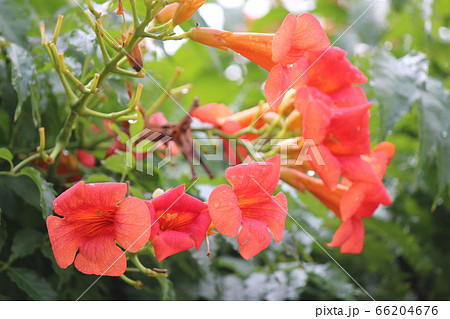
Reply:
x=95, y=218
x=248, y=209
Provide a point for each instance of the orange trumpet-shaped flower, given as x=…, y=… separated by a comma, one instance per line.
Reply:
x=295, y=37
x=340, y=133
x=220, y=115
x=302, y=182
x=256, y=47
x=350, y=201
x=350, y=235
x=181, y=222
x=248, y=209
x=95, y=218
x=186, y=10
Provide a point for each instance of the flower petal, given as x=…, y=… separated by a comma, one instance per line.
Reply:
x=356, y=169
x=132, y=224
x=327, y=167
x=104, y=196
x=64, y=238
x=349, y=236
x=198, y=228
x=316, y=119
x=348, y=131
x=101, y=256
x=282, y=40
x=212, y=113
x=224, y=211
x=253, y=238
x=309, y=34
x=276, y=85
x=255, y=178
x=271, y=211
x=355, y=243
x=352, y=200
x=330, y=70
x=349, y=96
x=171, y=242
x=176, y=200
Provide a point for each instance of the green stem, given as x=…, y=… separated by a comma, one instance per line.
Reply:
x=91, y=8
x=134, y=258
x=125, y=172
x=165, y=94
x=272, y=125
x=134, y=283
x=129, y=73
x=64, y=135
x=158, y=28
x=79, y=103
x=236, y=135
x=84, y=70
x=60, y=66
x=25, y=162
x=117, y=116
x=99, y=32
x=135, y=15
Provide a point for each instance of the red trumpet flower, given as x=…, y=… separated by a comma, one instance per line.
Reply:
x=249, y=203
x=95, y=218
x=180, y=222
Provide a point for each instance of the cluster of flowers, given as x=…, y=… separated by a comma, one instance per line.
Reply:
x=313, y=88
x=98, y=221
x=316, y=88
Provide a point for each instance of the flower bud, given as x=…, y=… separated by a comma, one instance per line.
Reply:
x=269, y=117
x=166, y=13
x=186, y=10
x=256, y=47
x=157, y=192
x=135, y=58
x=294, y=121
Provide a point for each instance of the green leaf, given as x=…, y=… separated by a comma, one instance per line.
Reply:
x=434, y=122
x=24, y=243
x=23, y=74
x=7, y=156
x=97, y=178
x=138, y=126
x=19, y=185
x=15, y=21
x=136, y=192
x=47, y=193
x=396, y=83
x=122, y=135
x=30, y=282
x=117, y=162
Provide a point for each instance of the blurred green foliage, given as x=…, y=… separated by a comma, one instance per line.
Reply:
x=403, y=47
